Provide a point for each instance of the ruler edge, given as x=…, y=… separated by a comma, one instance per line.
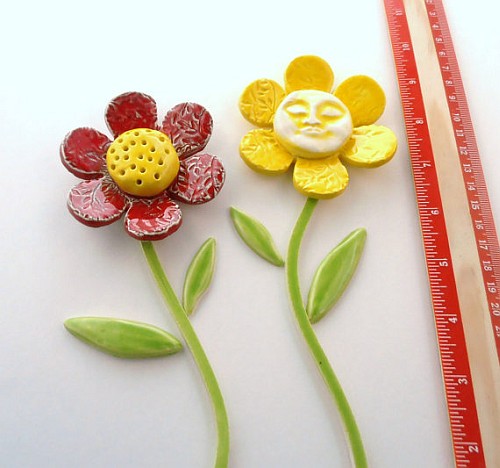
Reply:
x=480, y=321
x=454, y=442
x=428, y=26
x=485, y=200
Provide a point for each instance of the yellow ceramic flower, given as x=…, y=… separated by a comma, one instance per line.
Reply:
x=315, y=128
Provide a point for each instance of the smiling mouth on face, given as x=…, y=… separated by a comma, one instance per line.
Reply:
x=312, y=131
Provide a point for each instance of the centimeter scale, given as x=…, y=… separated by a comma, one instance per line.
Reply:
x=460, y=242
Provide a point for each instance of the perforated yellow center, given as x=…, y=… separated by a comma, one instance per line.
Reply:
x=142, y=162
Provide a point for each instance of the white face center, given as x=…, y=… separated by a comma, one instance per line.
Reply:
x=312, y=124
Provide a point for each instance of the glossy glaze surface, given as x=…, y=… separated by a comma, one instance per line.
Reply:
x=145, y=167
x=313, y=127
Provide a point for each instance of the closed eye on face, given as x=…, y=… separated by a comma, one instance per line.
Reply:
x=298, y=108
x=330, y=111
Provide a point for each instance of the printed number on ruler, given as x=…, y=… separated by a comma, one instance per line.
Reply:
x=459, y=389
x=477, y=194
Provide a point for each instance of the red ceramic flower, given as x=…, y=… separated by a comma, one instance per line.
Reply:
x=144, y=169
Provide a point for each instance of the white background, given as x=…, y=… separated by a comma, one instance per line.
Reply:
x=64, y=404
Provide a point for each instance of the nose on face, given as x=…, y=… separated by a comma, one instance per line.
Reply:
x=312, y=119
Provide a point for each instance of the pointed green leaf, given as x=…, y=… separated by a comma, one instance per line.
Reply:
x=256, y=236
x=199, y=275
x=333, y=275
x=123, y=338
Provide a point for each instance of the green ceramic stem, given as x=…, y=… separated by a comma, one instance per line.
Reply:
x=197, y=351
x=333, y=384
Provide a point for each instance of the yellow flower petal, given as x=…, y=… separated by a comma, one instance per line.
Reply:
x=320, y=178
x=259, y=102
x=370, y=146
x=308, y=72
x=364, y=98
x=261, y=151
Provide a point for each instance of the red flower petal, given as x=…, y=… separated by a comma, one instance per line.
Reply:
x=83, y=152
x=189, y=126
x=97, y=202
x=131, y=110
x=153, y=219
x=200, y=179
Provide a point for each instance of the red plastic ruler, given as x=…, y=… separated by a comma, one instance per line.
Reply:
x=460, y=242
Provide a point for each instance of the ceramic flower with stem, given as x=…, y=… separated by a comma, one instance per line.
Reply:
x=315, y=129
x=140, y=174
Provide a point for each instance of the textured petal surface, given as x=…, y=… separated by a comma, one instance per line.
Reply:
x=370, y=146
x=189, y=126
x=320, y=178
x=308, y=72
x=131, y=110
x=259, y=102
x=200, y=179
x=364, y=98
x=97, y=202
x=153, y=219
x=262, y=152
x=83, y=152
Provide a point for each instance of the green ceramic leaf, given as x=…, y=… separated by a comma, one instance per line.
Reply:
x=123, y=338
x=333, y=275
x=256, y=236
x=199, y=275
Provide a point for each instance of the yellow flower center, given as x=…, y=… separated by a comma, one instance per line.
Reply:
x=142, y=162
